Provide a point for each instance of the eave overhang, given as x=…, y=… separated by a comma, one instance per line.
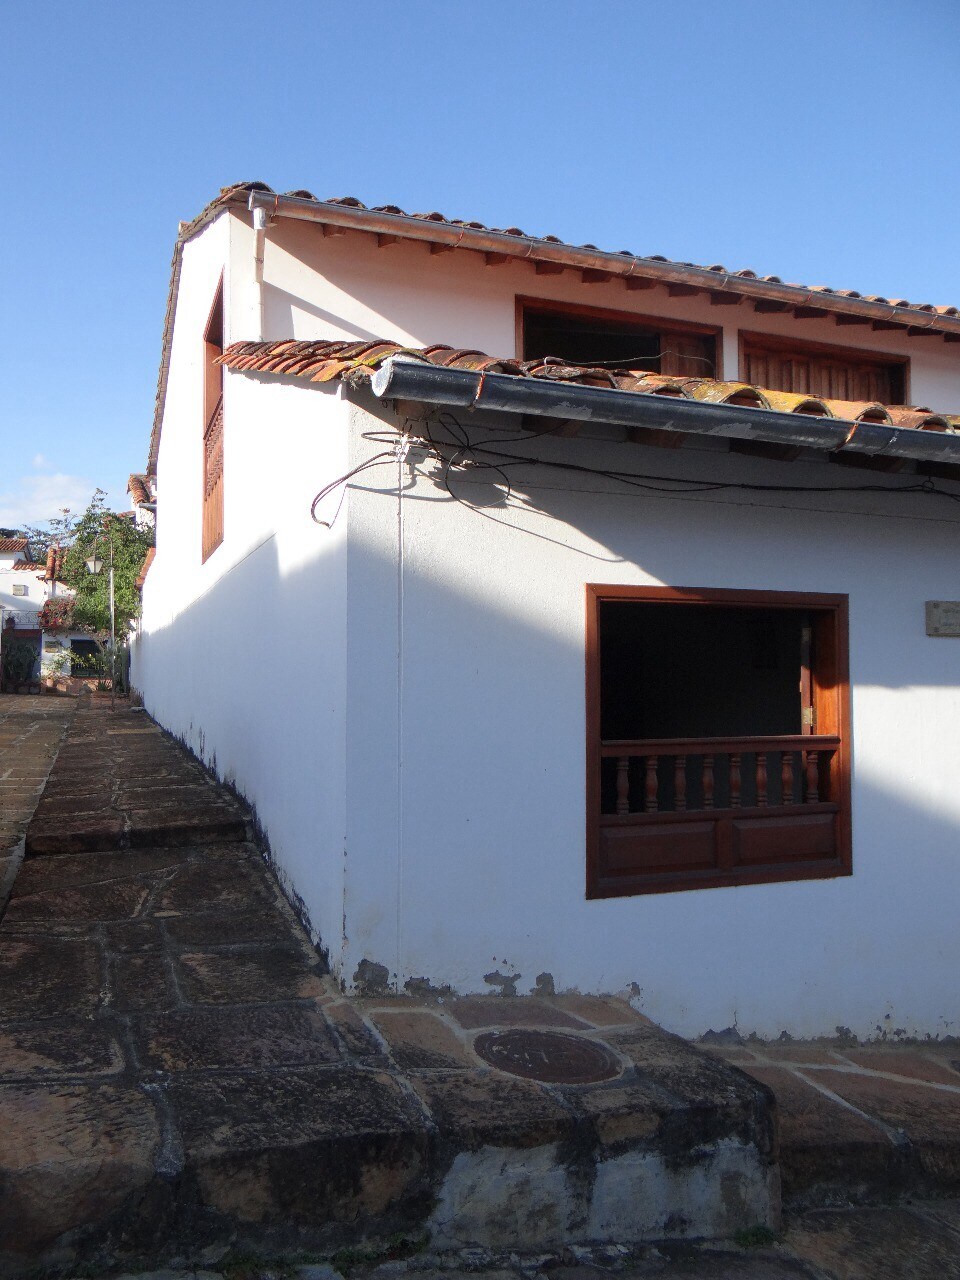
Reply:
x=616, y=265
x=596, y=266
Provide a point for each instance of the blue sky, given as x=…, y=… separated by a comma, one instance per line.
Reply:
x=817, y=141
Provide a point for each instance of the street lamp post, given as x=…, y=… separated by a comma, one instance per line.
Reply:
x=95, y=565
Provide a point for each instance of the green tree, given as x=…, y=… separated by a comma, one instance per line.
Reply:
x=59, y=530
x=103, y=533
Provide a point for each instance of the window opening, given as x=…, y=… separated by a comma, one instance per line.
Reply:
x=86, y=658
x=618, y=342
x=830, y=373
x=717, y=748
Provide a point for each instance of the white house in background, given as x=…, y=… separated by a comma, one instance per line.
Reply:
x=26, y=586
x=21, y=591
x=596, y=665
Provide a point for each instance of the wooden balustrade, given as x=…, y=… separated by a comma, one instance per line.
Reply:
x=679, y=784
x=706, y=773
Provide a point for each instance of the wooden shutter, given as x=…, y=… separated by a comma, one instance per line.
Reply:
x=830, y=376
x=688, y=355
x=213, y=481
x=212, y=534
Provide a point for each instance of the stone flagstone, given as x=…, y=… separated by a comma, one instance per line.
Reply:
x=179, y=1073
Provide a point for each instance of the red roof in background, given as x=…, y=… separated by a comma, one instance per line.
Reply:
x=148, y=561
x=54, y=566
x=138, y=488
x=13, y=544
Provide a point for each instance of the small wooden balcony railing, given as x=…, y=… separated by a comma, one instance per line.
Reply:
x=709, y=773
x=718, y=809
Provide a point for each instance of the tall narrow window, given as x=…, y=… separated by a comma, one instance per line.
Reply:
x=213, y=428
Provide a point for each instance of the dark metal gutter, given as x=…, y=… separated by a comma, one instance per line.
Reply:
x=401, y=378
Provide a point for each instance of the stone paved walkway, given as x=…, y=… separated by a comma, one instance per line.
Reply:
x=180, y=1077
x=118, y=782
x=178, y=1072
x=861, y=1123
x=31, y=730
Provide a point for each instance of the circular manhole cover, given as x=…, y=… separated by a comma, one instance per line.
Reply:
x=547, y=1056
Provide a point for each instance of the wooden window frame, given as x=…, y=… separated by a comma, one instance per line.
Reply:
x=628, y=318
x=804, y=347
x=212, y=428
x=732, y=828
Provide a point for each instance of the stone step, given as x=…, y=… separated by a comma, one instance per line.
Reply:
x=109, y=829
x=31, y=733
x=120, y=782
x=863, y=1124
x=177, y=1074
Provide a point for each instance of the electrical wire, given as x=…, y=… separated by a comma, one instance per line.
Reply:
x=461, y=455
x=375, y=461
x=675, y=484
x=632, y=362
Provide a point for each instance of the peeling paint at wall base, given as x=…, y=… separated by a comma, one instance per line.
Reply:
x=501, y=1198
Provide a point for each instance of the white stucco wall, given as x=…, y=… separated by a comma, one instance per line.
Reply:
x=30, y=580
x=54, y=646
x=243, y=656
x=402, y=697
x=343, y=286
x=37, y=589
x=470, y=857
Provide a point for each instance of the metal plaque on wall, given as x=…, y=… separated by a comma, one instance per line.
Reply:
x=943, y=618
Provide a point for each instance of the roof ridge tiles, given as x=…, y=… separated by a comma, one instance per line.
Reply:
x=230, y=193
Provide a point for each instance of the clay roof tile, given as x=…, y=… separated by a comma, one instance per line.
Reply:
x=326, y=361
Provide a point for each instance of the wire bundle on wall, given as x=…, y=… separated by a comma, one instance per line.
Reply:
x=461, y=454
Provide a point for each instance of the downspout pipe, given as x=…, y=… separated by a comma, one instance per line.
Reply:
x=401, y=378
x=259, y=242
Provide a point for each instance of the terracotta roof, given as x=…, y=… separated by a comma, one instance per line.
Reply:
x=13, y=544
x=148, y=561
x=54, y=566
x=355, y=362
x=24, y=566
x=138, y=488
x=767, y=291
